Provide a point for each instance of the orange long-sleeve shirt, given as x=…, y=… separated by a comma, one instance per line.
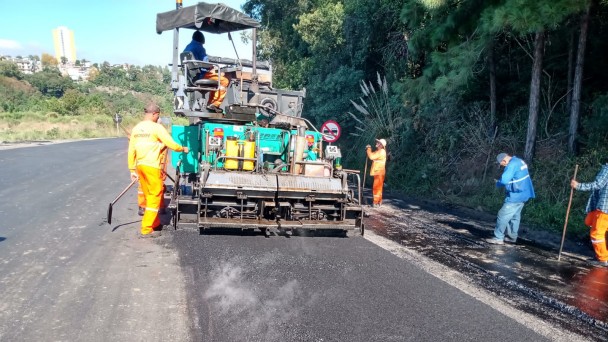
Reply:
x=147, y=144
x=378, y=158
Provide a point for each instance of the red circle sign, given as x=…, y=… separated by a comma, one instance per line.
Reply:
x=331, y=131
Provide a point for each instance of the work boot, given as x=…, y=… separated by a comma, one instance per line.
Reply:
x=141, y=211
x=509, y=240
x=152, y=235
x=214, y=109
x=495, y=241
x=158, y=228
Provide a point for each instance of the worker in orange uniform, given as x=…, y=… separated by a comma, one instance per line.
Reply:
x=378, y=171
x=141, y=197
x=147, y=146
x=597, y=213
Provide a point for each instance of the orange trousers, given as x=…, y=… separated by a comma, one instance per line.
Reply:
x=151, y=183
x=598, y=221
x=141, y=197
x=377, y=188
x=216, y=97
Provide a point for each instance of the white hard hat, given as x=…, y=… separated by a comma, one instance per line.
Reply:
x=382, y=141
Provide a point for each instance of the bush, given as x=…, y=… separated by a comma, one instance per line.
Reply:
x=53, y=133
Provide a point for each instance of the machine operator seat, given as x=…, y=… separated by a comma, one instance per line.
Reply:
x=189, y=63
x=196, y=90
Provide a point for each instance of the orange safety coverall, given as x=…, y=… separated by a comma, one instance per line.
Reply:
x=141, y=198
x=147, y=147
x=598, y=221
x=216, y=97
x=378, y=171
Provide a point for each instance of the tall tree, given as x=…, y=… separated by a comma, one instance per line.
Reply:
x=578, y=80
x=537, y=67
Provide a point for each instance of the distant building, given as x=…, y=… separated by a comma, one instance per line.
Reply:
x=63, y=39
x=25, y=64
x=28, y=66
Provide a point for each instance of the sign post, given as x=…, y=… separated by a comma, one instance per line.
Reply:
x=117, y=119
x=331, y=131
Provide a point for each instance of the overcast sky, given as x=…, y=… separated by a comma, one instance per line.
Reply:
x=116, y=31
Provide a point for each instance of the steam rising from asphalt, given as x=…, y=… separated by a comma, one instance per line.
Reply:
x=258, y=308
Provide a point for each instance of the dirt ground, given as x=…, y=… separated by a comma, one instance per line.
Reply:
x=576, y=248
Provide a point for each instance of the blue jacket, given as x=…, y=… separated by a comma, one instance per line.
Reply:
x=197, y=50
x=599, y=191
x=517, y=182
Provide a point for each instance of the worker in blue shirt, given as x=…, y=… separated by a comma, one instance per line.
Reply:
x=199, y=52
x=519, y=189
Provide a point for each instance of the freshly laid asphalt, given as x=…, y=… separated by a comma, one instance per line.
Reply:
x=68, y=275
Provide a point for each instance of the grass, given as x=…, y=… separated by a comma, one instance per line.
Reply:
x=19, y=127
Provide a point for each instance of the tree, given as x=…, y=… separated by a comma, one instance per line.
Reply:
x=537, y=67
x=48, y=60
x=64, y=60
x=10, y=69
x=50, y=82
x=578, y=80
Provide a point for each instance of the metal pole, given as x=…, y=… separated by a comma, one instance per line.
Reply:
x=364, y=174
x=559, y=256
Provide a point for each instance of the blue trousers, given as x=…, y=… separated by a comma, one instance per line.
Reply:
x=508, y=220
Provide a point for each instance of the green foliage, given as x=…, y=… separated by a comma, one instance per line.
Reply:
x=53, y=133
x=531, y=16
x=322, y=28
x=50, y=82
x=10, y=69
x=596, y=126
x=377, y=116
x=44, y=105
x=149, y=79
x=325, y=104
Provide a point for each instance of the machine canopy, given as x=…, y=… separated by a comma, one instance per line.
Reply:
x=212, y=18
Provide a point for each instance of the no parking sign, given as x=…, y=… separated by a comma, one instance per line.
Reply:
x=331, y=131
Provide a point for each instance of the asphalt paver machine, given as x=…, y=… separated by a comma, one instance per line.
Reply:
x=257, y=164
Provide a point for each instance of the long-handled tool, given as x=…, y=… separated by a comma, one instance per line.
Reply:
x=567, y=214
x=117, y=198
x=364, y=174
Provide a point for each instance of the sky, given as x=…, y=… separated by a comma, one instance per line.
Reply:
x=116, y=31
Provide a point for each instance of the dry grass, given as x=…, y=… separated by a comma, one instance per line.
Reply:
x=28, y=128
x=50, y=126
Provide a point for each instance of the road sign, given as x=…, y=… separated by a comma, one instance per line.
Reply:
x=117, y=118
x=331, y=131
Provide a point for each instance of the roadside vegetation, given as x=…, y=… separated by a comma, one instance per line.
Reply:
x=48, y=106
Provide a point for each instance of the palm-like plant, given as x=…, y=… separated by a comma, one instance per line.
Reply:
x=377, y=116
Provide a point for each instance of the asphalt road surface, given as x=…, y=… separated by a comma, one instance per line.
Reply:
x=65, y=274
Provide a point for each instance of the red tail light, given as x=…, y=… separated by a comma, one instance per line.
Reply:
x=310, y=139
x=218, y=132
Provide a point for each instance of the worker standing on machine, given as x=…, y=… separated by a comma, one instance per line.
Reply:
x=147, y=147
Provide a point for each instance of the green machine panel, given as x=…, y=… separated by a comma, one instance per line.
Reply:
x=186, y=136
